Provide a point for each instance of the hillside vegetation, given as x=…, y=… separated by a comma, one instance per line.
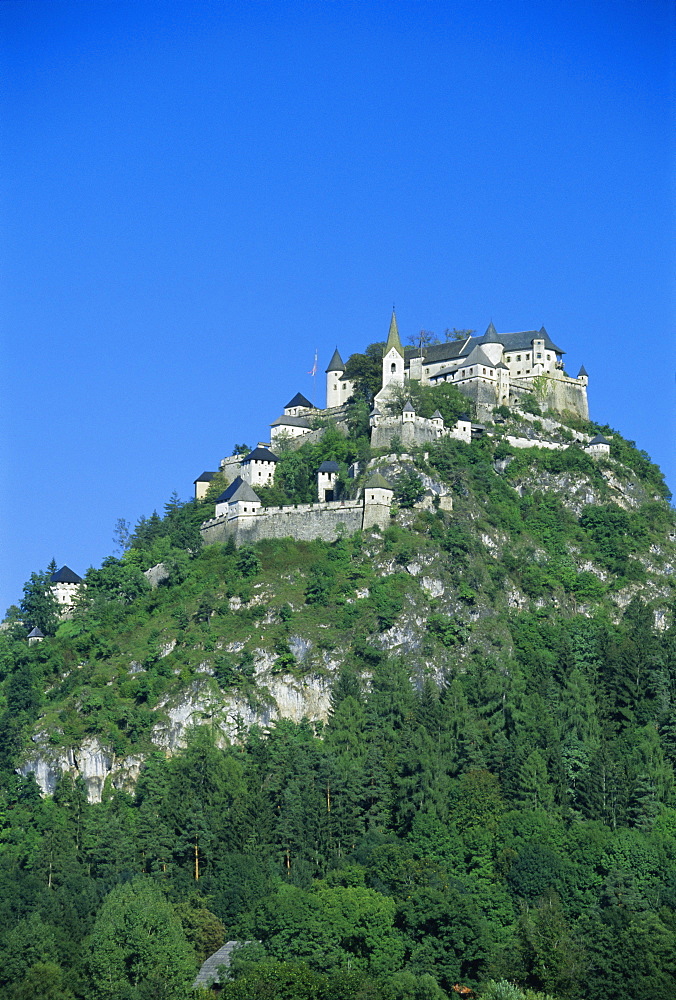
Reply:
x=438, y=754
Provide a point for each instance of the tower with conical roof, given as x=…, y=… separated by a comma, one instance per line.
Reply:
x=393, y=360
x=338, y=388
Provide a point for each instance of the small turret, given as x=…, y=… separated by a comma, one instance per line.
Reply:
x=378, y=496
x=335, y=384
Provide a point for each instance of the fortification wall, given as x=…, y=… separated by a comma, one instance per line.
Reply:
x=563, y=394
x=409, y=432
x=567, y=394
x=230, y=467
x=305, y=522
x=376, y=515
x=522, y=442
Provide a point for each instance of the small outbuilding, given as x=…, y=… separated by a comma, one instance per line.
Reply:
x=326, y=481
x=598, y=447
x=35, y=635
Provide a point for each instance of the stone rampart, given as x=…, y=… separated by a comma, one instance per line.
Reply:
x=564, y=394
x=521, y=442
x=305, y=522
x=420, y=430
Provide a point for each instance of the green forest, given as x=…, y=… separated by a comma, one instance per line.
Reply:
x=485, y=805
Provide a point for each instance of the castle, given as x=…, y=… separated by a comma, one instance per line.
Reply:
x=495, y=369
x=492, y=370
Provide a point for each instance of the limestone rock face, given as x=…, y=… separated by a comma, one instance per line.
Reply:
x=277, y=697
x=90, y=761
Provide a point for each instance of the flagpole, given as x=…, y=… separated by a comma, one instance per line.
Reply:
x=314, y=378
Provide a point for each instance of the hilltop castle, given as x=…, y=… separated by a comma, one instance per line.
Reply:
x=491, y=370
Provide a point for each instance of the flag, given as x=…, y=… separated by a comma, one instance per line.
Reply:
x=314, y=365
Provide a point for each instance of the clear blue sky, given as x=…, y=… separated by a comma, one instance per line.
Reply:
x=196, y=195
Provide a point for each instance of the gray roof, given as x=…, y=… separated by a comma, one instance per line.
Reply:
x=65, y=575
x=437, y=416
x=35, y=633
x=409, y=407
x=260, y=455
x=328, y=467
x=238, y=490
x=458, y=350
x=208, y=973
x=291, y=422
x=582, y=371
x=599, y=439
x=206, y=477
x=479, y=357
x=377, y=482
x=336, y=363
x=299, y=400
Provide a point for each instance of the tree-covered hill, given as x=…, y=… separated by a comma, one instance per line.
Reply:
x=438, y=754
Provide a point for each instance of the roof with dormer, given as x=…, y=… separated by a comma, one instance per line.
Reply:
x=260, y=454
x=65, y=575
x=299, y=400
x=336, y=363
x=378, y=482
x=238, y=490
x=393, y=339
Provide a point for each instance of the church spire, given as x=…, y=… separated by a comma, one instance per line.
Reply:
x=393, y=340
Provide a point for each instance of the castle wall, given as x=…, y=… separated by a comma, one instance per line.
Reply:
x=568, y=394
x=408, y=432
x=230, y=467
x=305, y=522
x=376, y=515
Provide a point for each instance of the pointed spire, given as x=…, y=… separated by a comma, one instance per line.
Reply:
x=582, y=371
x=393, y=340
x=491, y=331
x=336, y=363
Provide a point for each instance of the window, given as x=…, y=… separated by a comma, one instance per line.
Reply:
x=538, y=355
x=528, y=357
x=393, y=368
x=518, y=357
